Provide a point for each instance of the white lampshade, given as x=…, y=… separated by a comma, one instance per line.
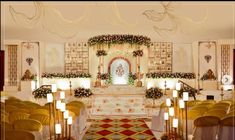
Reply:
x=171, y=111
x=53, y=88
x=177, y=86
x=70, y=120
x=185, y=96
x=175, y=123
x=168, y=102
x=166, y=116
x=58, y=104
x=62, y=95
x=175, y=93
x=57, y=128
x=49, y=98
x=62, y=107
x=66, y=114
x=181, y=103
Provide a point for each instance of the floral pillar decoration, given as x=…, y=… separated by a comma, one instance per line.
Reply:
x=100, y=53
x=138, y=53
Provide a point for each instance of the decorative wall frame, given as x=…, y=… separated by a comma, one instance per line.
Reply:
x=30, y=57
x=207, y=48
x=76, y=57
x=225, y=59
x=12, y=65
x=160, y=57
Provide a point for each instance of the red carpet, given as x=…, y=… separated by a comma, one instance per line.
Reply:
x=119, y=129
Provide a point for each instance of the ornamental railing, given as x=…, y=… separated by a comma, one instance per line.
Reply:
x=189, y=88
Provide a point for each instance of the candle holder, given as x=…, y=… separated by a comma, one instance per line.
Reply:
x=222, y=94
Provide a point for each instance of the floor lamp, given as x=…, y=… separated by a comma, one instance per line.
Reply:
x=185, y=98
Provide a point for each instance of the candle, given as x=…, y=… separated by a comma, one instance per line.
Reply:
x=62, y=95
x=175, y=93
x=66, y=114
x=166, y=116
x=171, y=111
x=62, y=107
x=57, y=128
x=168, y=102
x=185, y=96
x=177, y=86
x=70, y=120
x=53, y=88
x=58, y=104
x=49, y=98
x=175, y=123
x=181, y=103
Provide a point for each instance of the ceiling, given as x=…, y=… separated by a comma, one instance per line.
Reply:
x=188, y=21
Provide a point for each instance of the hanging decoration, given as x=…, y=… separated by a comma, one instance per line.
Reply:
x=207, y=58
x=119, y=39
x=101, y=53
x=138, y=53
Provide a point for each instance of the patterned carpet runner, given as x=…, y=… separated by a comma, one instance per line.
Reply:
x=119, y=129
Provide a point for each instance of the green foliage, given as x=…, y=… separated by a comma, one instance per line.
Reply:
x=82, y=92
x=154, y=93
x=41, y=92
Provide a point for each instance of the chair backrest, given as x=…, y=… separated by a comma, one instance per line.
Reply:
x=200, y=108
x=206, y=121
x=216, y=112
x=43, y=119
x=19, y=135
x=18, y=116
x=77, y=103
x=40, y=111
x=193, y=103
x=9, y=108
x=228, y=121
x=73, y=109
x=193, y=114
x=27, y=124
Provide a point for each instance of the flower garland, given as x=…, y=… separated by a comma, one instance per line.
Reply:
x=82, y=92
x=41, y=92
x=119, y=39
x=138, y=53
x=209, y=75
x=171, y=75
x=131, y=78
x=154, y=93
x=103, y=76
x=67, y=75
x=28, y=76
x=101, y=53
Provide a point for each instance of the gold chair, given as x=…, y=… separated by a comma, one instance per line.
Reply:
x=73, y=109
x=19, y=135
x=77, y=103
x=206, y=128
x=216, y=112
x=42, y=118
x=193, y=114
x=40, y=111
x=17, y=116
x=193, y=103
x=31, y=105
x=200, y=108
x=226, y=131
x=209, y=101
x=27, y=124
x=9, y=108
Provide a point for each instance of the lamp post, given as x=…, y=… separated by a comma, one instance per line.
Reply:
x=50, y=100
x=185, y=98
x=70, y=120
x=166, y=118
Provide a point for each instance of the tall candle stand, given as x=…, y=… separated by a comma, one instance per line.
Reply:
x=185, y=98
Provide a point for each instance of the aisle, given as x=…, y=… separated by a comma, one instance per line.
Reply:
x=119, y=129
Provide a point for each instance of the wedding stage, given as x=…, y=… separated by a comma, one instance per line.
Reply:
x=118, y=100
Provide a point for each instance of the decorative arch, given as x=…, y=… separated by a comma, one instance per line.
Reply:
x=119, y=57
